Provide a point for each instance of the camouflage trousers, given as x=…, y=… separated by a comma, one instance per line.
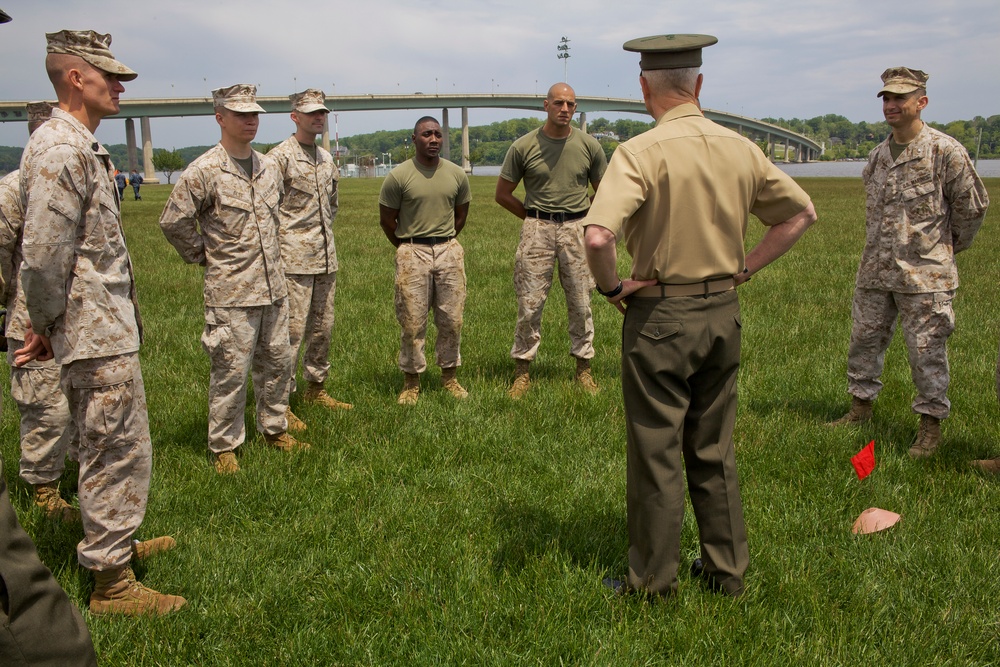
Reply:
x=430, y=277
x=927, y=320
x=310, y=323
x=107, y=400
x=48, y=434
x=542, y=245
x=239, y=341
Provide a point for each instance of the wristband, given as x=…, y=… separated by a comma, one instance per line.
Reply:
x=613, y=293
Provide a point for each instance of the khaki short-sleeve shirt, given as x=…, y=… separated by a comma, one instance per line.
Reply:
x=680, y=196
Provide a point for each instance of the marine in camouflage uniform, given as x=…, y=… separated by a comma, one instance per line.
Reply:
x=48, y=433
x=223, y=216
x=81, y=301
x=306, y=214
x=423, y=206
x=556, y=162
x=924, y=204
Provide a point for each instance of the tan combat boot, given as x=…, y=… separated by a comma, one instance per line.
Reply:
x=148, y=548
x=450, y=382
x=585, y=377
x=226, y=463
x=316, y=394
x=860, y=412
x=117, y=592
x=991, y=466
x=285, y=442
x=294, y=423
x=48, y=499
x=928, y=437
x=411, y=390
x=522, y=380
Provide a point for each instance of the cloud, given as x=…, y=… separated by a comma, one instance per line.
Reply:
x=800, y=60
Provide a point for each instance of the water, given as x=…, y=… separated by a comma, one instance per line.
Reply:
x=852, y=169
x=986, y=169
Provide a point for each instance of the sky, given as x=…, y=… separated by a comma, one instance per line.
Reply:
x=807, y=59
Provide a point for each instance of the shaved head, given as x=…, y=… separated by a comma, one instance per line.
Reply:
x=559, y=89
x=58, y=65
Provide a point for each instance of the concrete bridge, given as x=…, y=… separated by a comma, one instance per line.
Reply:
x=805, y=149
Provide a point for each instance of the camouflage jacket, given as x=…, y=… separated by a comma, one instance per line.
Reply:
x=920, y=210
x=76, y=274
x=308, y=208
x=11, y=230
x=218, y=217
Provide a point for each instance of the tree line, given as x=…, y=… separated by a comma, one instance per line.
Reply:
x=488, y=144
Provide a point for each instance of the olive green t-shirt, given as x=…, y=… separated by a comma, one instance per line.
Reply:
x=425, y=198
x=556, y=172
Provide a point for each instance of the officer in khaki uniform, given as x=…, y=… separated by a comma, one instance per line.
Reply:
x=680, y=196
x=556, y=162
x=48, y=434
x=924, y=203
x=222, y=214
x=423, y=206
x=81, y=301
x=306, y=215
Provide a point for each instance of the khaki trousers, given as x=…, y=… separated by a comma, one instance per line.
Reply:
x=239, y=341
x=310, y=323
x=927, y=321
x=48, y=434
x=542, y=245
x=680, y=358
x=430, y=277
x=108, y=402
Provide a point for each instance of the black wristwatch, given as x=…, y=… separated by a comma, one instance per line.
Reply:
x=613, y=293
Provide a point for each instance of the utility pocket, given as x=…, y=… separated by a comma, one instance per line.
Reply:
x=661, y=329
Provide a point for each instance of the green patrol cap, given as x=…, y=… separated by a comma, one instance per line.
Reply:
x=669, y=51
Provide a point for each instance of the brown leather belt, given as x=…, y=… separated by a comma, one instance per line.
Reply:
x=692, y=289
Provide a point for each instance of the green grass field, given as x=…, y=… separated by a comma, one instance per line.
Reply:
x=478, y=532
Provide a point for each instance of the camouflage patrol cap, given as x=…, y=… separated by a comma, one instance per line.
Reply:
x=93, y=47
x=38, y=112
x=241, y=98
x=308, y=101
x=4, y=17
x=902, y=80
x=669, y=51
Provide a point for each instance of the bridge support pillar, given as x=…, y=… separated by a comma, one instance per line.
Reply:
x=149, y=172
x=133, y=159
x=446, y=140
x=466, y=165
x=326, y=134
x=583, y=122
x=770, y=146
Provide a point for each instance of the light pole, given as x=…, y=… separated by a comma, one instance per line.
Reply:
x=563, y=55
x=336, y=134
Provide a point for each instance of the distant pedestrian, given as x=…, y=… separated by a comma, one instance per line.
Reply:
x=223, y=215
x=924, y=205
x=423, y=207
x=306, y=214
x=557, y=163
x=135, y=180
x=121, y=180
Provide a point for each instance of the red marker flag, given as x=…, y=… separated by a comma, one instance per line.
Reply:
x=864, y=461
